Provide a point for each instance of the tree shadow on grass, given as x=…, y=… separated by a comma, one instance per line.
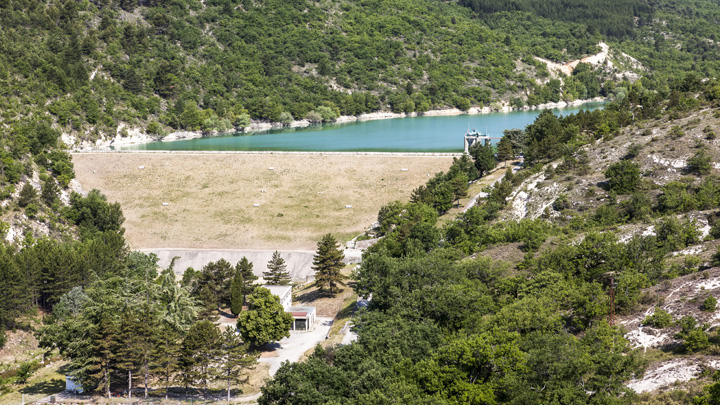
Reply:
x=316, y=294
x=50, y=387
x=311, y=296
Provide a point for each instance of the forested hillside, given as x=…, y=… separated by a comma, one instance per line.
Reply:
x=87, y=67
x=507, y=303
x=514, y=304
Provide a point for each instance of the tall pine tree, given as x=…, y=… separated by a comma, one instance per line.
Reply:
x=197, y=354
x=242, y=285
x=96, y=365
x=246, y=269
x=165, y=355
x=277, y=273
x=328, y=264
x=128, y=352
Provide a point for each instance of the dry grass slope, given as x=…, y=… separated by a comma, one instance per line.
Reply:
x=210, y=197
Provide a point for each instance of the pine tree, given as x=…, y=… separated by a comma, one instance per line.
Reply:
x=165, y=355
x=276, y=274
x=128, y=352
x=99, y=358
x=49, y=191
x=198, y=352
x=328, y=264
x=504, y=150
x=233, y=357
x=216, y=278
x=246, y=269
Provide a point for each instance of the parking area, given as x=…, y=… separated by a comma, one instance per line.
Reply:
x=292, y=348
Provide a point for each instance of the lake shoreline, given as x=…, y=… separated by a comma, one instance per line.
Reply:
x=136, y=136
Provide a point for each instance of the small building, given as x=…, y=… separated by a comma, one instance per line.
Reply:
x=284, y=292
x=303, y=317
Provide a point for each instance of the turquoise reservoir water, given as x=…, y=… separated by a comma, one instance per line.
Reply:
x=417, y=134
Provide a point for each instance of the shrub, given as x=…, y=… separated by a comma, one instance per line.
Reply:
x=623, y=177
x=462, y=103
x=696, y=340
x=633, y=151
x=693, y=335
x=699, y=164
x=314, y=117
x=676, y=132
x=27, y=195
x=638, y=207
x=659, y=319
x=561, y=203
x=31, y=210
x=153, y=128
x=286, y=118
x=24, y=372
x=709, y=304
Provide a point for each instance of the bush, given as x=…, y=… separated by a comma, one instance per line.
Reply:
x=153, y=128
x=623, y=177
x=462, y=103
x=709, y=304
x=286, y=118
x=693, y=335
x=31, y=210
x=24, y=372
x=27, y=195
x=561, y=203
x=314, y=117
x=638, y=207
x=699, y=164
x=676, y=132
x=696, y=340
x=659, y=319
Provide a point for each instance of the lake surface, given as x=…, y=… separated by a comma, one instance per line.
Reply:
x=415, y=134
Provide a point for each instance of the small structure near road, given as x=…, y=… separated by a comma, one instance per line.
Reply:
x=303, y=317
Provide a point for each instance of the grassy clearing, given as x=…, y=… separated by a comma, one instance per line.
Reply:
x=47, y=380
x=210, y=197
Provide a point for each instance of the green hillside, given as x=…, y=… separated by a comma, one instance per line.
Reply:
x=89, y=66
x=507, y=303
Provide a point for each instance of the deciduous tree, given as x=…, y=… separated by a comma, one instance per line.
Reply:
x=265, y=320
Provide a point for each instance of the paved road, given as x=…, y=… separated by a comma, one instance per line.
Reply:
x=292, y=348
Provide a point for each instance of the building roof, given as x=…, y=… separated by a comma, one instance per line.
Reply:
x=301, y=311
x=279, y=290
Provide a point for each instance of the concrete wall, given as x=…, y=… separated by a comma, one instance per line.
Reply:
x=299, y=262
